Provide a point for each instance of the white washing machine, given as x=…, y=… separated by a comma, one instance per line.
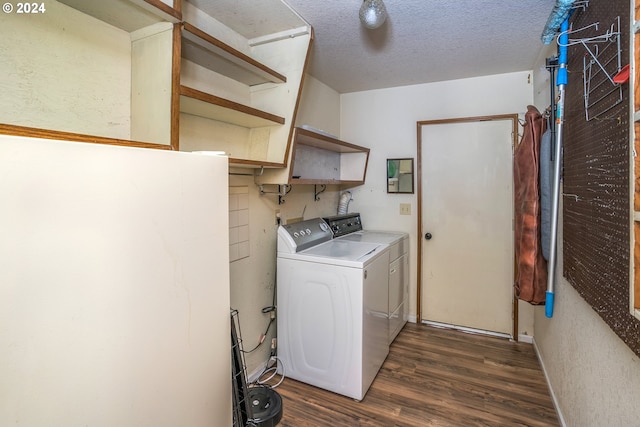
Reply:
x=349, y=227
x=332, y=303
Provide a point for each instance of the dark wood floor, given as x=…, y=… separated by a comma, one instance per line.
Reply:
x=435, y=377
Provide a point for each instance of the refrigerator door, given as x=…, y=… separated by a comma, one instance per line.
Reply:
x=114, y=286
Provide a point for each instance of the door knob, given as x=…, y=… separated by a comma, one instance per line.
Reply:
x=428, y=236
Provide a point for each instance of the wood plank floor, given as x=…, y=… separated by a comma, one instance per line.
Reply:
x=435, y=377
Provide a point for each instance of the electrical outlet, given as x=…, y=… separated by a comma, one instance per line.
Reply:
x=278, y=217
x=405, y=208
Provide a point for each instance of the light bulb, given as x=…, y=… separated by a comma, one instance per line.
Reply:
x=373, y=13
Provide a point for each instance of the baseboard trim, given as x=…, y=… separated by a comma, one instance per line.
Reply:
x=255, y=374
x=525, y=338
x=546, y=377
x=465, y=329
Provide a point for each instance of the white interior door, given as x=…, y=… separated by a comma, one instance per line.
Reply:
x=467, y=208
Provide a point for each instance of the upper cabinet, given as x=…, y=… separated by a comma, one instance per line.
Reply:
x=197, y=75
x=89, y=70
x=191, y=76
x=240, y=81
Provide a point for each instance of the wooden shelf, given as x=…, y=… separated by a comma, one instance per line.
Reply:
x=75, y=137
x=151, y=71
x=213, y=54
x=316, y=139
x=318, y=158
x=313, y=181
x=119, y=91
x=212, y=107
x=323, y=159
x=128, y=15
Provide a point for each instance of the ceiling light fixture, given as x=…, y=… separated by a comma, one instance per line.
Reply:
x=373, y=13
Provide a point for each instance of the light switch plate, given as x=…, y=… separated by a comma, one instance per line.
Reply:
x=405, y=208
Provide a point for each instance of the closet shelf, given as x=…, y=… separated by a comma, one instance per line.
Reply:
x=318, y=140
x=318, y=158
x=212, y=107
x=128, y=15
x=213, y=54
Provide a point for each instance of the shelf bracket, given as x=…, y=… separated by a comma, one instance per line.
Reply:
x=283, y=190
x=317, y=193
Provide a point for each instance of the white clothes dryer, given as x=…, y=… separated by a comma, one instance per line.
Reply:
x=349, y=227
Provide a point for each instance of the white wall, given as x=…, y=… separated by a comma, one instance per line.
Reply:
x=385, y=120
x=594, y=376
x=319, y=107
x=55, y=77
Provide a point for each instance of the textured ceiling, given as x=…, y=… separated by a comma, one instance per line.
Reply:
x=422, y=41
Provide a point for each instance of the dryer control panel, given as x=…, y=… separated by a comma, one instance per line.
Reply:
x=344, y=224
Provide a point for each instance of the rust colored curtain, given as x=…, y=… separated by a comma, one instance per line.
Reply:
x=531, y=268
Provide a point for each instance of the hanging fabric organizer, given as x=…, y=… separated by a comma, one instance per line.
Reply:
x=531, y=277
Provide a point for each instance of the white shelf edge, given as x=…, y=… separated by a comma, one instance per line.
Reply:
x=124, y=14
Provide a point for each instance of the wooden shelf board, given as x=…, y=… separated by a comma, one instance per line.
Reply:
x=14, y=130
x=212, y=107
x=128, y=15
x=253, y=163
x=313, y=139
x=215, y=55
x=294, y=181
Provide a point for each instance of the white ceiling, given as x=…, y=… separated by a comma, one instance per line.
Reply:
x=422, y=41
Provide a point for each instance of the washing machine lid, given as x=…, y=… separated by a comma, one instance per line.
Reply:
x=386, y=237
x=342, y=249
x=341, y=252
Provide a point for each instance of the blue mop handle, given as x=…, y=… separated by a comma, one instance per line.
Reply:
x=563, y=49
x=548, y=305
x=561, y=81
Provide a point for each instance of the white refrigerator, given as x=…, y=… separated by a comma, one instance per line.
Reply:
x=114, y=286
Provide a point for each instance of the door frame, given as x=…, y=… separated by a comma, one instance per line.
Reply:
x=514, y=143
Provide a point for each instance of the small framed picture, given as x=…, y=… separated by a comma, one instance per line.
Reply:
x=399, y=175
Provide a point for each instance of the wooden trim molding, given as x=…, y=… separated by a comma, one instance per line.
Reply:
x=419, y=189
x=174, y=12
x=287, y=149
x=176, y=61
x=75, y=137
